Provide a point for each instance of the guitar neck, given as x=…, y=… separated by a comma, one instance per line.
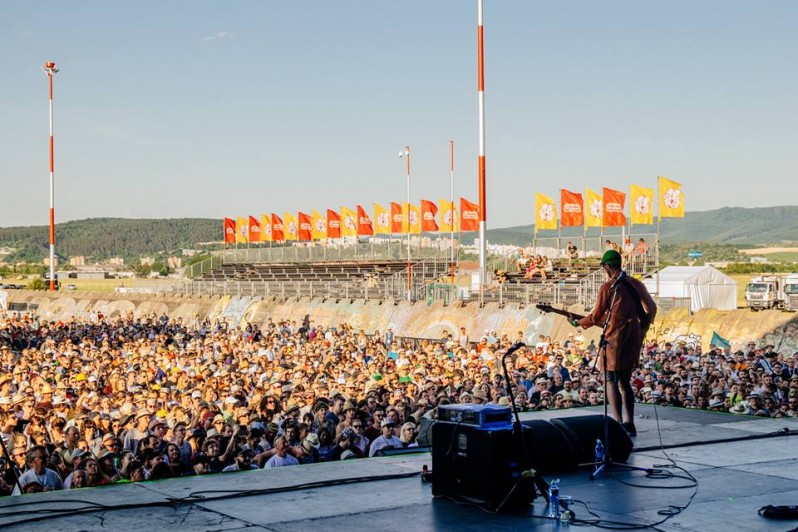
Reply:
x=561, y=312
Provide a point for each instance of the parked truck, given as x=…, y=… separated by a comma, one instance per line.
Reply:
x=773, y=292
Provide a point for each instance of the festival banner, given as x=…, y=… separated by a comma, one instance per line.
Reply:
x=364, y=226
x=641, y=200
x=594, y=209
x=448, y=216
x=242, y=230
x=614, y=201
x=415, y=219
x=278, y=232
x=333, y=224
x=266, y=228
x=348, y=222
x=229, y=231
x=469, y=215
x=305, y=232
x=428, y=212
x=290, y=226
x=397, y=218
x=255, y=233
x=319, y=225
x=671, y=201
x=572, y=209
x=382, y=220
x=545, y=212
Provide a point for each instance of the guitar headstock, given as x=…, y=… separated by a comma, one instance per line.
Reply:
x=545, y=307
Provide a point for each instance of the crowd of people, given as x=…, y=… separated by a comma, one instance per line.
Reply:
x=102, y=400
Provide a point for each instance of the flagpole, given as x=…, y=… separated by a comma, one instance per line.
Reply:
x=483, y=247
x=659, y=221
x=451, y=226
x=406, y=153
x=50, y=68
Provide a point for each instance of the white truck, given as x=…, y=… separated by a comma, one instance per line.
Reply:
x=773, y=291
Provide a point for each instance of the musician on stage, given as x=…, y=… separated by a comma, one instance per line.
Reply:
x=633, y=310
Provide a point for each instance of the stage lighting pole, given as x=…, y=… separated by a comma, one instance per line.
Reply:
x=451, y=206
x=406, y=154
x=483, y=247
x=50, y=69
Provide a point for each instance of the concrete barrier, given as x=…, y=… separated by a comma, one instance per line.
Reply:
x=417, y=319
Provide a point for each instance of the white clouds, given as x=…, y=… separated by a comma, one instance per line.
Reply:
x=219, y=36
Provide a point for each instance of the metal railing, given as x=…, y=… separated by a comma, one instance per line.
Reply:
x=206, y=266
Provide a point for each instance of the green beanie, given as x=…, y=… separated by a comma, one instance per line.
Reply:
x=611, y=257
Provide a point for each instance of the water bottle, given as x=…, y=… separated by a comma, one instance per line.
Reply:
x=599, y=452
x=554, y=499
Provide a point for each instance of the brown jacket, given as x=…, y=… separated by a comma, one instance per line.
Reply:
x=623, y=334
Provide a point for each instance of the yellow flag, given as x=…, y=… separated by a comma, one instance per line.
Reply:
x=290, y=226
x=545, y=212
x=265, y=228
x=448, y=213
x=348, y=222
x=242, y=230
x=415, y=219
x=594, y=209
x=319, y=223
x=382, y=220
x=641, y=200
x=671, y=200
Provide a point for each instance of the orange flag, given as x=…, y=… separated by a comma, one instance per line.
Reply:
x=333, y=224
x=364, y=227
x=255, y=232
x=428, y=212
x=572, y=208
x=469, y=215
x=614, y=201
x=277, y=229
x=229, y=231
x=305, y=227
x=397, y=218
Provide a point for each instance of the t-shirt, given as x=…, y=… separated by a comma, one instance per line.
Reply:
x=48, y=479
x=281, y=461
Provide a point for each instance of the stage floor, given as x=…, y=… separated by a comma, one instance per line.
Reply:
x=735, y=479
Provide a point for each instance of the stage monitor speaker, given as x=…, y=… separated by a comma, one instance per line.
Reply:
x=479, y=465
x=585, y=430
x=550, y=449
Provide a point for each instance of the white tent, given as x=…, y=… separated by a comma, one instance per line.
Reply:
x=705, y=286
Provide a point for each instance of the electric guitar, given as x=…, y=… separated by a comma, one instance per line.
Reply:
x=545, y=307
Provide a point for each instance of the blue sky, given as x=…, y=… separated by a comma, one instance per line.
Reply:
x=212, y=109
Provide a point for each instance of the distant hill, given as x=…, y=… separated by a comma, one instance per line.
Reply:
x=101, y=238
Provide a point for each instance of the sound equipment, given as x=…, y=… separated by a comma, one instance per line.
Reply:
x=587, y=429
x=479, y=465
x=477, y=415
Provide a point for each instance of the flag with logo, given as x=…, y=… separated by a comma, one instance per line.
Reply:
x=614, y=201
x=242, y=230
x=428, y=212
x=348, y=222
x=229, y=231
x=290, y=226
x=265, y=228
x=319, y=226
x=641, y=200
x=397, y=218
x=382, y=220
x=545, y=212
x=572, y=209
x=671, y=201
x=255, y=233
x=414, y=218
x=333, y=224
x=305, y=232
x=448, y=216
x=719, y=341
x=594, y=209
x=278, y=230
x=364, y=226
x=469, y=215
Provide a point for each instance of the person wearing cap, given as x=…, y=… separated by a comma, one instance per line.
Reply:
x=386, y=440
x=631, y=310
x=242, y=461
x=137, y=433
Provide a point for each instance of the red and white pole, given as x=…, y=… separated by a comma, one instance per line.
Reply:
x=50, y=69
x=451, y=205
x=409, y=268
x=483, y=247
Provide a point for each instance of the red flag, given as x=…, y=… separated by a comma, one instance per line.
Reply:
x=255, y=233
x=364, y=227
x=229, y=231
x=333, y=224
x=428, y=212
x=469, y=215
x=278, y=235
x=613, y=208
x=397, y=218
x=305, y=227
x=572, y=208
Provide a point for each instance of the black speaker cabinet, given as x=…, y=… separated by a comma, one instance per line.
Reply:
x=583, y=431
x=479, y=465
